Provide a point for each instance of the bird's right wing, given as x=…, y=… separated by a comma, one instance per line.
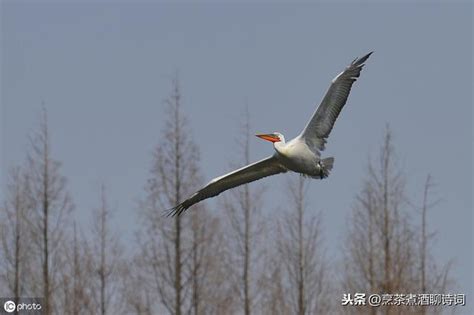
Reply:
x=320, y=125
x=263, y=168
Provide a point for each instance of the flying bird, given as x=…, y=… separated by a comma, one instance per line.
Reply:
x=301, y=154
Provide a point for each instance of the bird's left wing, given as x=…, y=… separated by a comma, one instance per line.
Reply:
x=320, y=125
x=266, y=167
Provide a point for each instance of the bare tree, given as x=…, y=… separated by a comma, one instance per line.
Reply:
x=432, y=277
x=106, y=256
x=53, y=206
x=171, y=246
x=379, y=252
x=383, y=252
x=273, y=290
x=75, y=294
x=136, y=293
x=13, y=234
x=243, y=212
x=305, y=276
x=205, y=273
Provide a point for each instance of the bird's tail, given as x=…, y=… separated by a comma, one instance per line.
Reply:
x=326, y=166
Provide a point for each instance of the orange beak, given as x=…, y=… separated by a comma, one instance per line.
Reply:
x=269, y=137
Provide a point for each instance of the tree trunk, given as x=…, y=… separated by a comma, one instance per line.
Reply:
x=301, y=288
x=46, y=284
x=16, y=285
x=103, y=245
x=177, y=201
x=247, y=226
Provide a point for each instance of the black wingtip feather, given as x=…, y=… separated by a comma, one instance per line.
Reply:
x=175, y=211
x=360, y=61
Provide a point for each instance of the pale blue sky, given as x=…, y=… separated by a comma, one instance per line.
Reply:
x=104, y=69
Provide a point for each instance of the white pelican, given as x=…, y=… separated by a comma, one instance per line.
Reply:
x=301, y=155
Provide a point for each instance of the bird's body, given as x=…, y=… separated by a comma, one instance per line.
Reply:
x=298, y=157
x=301, y=154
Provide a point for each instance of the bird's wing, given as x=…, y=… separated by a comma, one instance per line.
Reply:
x=266, y=167
x=320, y=125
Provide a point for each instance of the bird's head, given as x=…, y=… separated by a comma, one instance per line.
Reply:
x=272, y=137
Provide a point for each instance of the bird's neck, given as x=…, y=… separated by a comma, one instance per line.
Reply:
x=279, y=146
